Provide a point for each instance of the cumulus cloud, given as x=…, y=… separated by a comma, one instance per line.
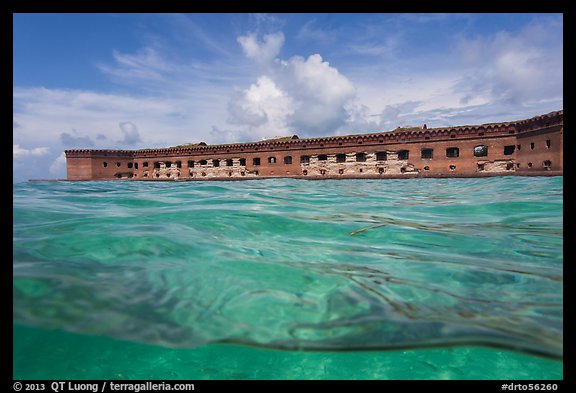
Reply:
x=295, y=94
x=261, y=51
x=58, y=167
x=18, y=151
x=131, y=134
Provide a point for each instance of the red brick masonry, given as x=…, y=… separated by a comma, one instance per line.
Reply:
x=524, y=147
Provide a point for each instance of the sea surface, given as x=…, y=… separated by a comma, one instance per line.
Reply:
x=289, y=279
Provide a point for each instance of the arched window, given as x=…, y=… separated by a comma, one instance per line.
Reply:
x=452, y=152
x=271, y=160
x=403, y=154
x=481, y=151
x=509, y=150
x=288, y=160
x=427, y=153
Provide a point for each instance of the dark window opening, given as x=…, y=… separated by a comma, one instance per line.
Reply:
x=288, y=160
x=381, y=156
x=179, y=164
x=130, y=165
x=229, y=173
x=168, y=164
x=452, y=136
x=168, y=175
x=271, y=160
x=480, y=167
x=509, y=166
x=304, y=172
x=215, y=163
x=104, y=164
x=426, y=168
x=203, y=162
x=136, y=165
x=304, y=159
x=452, y=152
x=341, y=171
x=256, y=161
x=427, y=138
x=229, y=162
x=403, y=154
x=518, y=147
x=118, y=164
x=145, y=175
x=203, y=173
x=322, y=171
x=322, y=157
x=242, y=173
x=145, y=164
x=156, y=164
x=190, y=164
x=340, y=157
x=481, y=151
x=360, y=157
x=256, y=173
x=380, y=170
x=529, y=165
x=427, y=153
x=242, y=162
x=531, y=145
x=157, y=175
x=547, y=164
x=548, y=142
x=509, y=150
x=360, y=170
x=452, y=167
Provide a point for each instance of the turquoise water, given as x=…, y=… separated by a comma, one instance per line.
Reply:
x=289, y=279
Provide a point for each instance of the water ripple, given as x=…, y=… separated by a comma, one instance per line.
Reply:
x=350, y=264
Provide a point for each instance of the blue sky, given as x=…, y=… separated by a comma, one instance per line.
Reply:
x=130, y=81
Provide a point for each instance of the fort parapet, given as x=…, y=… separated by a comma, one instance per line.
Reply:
x=525, y=147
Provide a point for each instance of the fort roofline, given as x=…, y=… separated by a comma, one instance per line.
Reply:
x=467, y=150
x=394, y=136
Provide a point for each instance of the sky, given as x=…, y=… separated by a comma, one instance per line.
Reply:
x=133, y=81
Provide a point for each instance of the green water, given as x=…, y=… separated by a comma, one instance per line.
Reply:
x=207, y=280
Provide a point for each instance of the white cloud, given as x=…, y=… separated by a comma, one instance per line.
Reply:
x=18, y=151
x=263, y=106
x=58, y=167
x=131, y=134
x=264, y=51
x=43, y=113
x=295, y=94
x=522, y=68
